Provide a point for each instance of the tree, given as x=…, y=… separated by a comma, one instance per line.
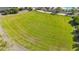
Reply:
x=74, y=10
x=38, y=8
x=5, y=12
x=76, y=18
x=49, y=9
x=58, y=9
x=13, y=10
x=21, y=8
x=29, y=8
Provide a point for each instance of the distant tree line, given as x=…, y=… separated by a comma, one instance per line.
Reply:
x=53, y=10
x=15, y=10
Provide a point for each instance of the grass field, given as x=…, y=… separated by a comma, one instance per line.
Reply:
x=39, y=31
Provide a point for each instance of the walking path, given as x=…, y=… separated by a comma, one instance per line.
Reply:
x=44, y=11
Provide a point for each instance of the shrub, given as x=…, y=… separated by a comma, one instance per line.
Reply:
x=76, y=19
x=13, y=10
x=29, y=9
x=20, y=9
x=10, y=11
x=5, y=12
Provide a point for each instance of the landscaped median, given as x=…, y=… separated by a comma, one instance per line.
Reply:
x=39, y=31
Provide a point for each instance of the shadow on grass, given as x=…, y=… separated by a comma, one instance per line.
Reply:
x=73, y=23
x=76, y=35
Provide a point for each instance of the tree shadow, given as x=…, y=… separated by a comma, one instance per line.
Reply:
x=73, y=23
x=75, y=45
x=76, y=38
x=76, y=35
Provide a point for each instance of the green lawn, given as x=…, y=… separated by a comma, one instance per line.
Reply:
x=39, y=31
